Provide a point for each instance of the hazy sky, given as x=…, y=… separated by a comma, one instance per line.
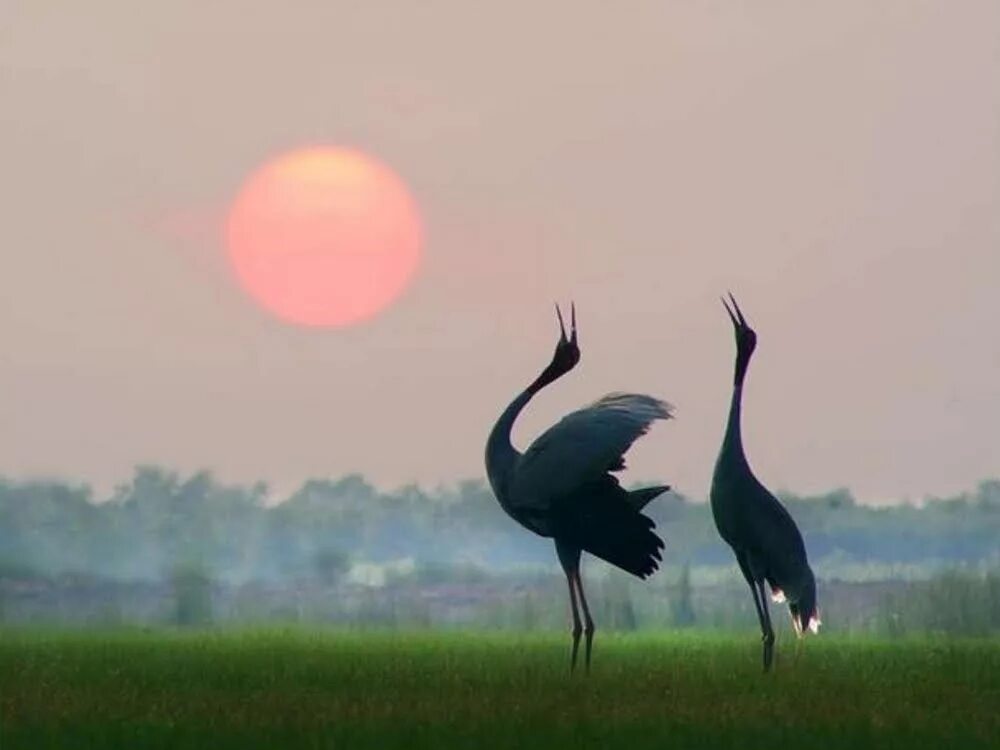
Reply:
x=837, y=165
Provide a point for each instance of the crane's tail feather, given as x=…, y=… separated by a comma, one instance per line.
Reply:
x=804, y=609
x=628, y=541
x=640, y=498
x=609, y=529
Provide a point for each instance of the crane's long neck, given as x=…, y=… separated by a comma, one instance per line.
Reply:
x=500, y=452
x=732, y=443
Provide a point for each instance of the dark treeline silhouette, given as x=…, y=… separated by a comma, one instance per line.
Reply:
x=160, y=520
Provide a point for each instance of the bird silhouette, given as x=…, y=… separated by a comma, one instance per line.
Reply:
x=754, y=523
x=563, y=487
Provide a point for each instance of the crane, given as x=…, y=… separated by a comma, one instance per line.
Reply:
x=761, y=532
x=563, y=487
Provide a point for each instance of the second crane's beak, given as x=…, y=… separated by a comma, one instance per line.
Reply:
x=735, y=314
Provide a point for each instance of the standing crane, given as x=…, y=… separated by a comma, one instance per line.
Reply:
x=754, y=523
x=562, y=487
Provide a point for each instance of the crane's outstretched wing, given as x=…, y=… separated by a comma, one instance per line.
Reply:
x=583, y=446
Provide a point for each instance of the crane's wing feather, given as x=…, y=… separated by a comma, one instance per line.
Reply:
x=583, y=446
x=773, y=537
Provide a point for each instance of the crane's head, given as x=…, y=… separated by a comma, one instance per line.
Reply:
x=746, y=337
x=567, y=352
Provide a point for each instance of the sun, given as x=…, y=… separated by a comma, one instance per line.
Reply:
x=324, y=236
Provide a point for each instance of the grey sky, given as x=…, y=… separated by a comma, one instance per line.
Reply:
x=837, y=165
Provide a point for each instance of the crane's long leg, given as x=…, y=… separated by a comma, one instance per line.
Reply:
x=760, y=604
x=577, y=629
x=569, y=558
x=766, y=626
x=588, y=621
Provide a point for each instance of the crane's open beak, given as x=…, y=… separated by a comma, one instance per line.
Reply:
x=735, y=314
x=572, y=324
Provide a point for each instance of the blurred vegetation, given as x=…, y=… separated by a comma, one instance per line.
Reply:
x=953, y=602
x=159, y=519
x=682, y=607
x=340, y=550
x=192, y=589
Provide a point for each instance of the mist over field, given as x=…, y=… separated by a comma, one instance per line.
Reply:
x=168, y=548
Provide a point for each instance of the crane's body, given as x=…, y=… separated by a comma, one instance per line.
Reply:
x=761, y=532
x=563, y=487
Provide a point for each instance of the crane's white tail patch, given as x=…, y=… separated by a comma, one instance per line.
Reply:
x=777, y=595
x=813, y=626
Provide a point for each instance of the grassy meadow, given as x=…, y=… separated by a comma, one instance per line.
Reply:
x=330, y=689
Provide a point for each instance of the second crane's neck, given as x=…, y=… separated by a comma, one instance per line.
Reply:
x=732, y=443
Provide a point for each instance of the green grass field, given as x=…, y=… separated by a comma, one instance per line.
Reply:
x=324, y=689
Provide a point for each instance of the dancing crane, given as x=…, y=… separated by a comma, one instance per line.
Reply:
x=754, y=523
x=563, y=487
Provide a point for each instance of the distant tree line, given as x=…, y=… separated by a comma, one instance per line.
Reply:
x=160, y=522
